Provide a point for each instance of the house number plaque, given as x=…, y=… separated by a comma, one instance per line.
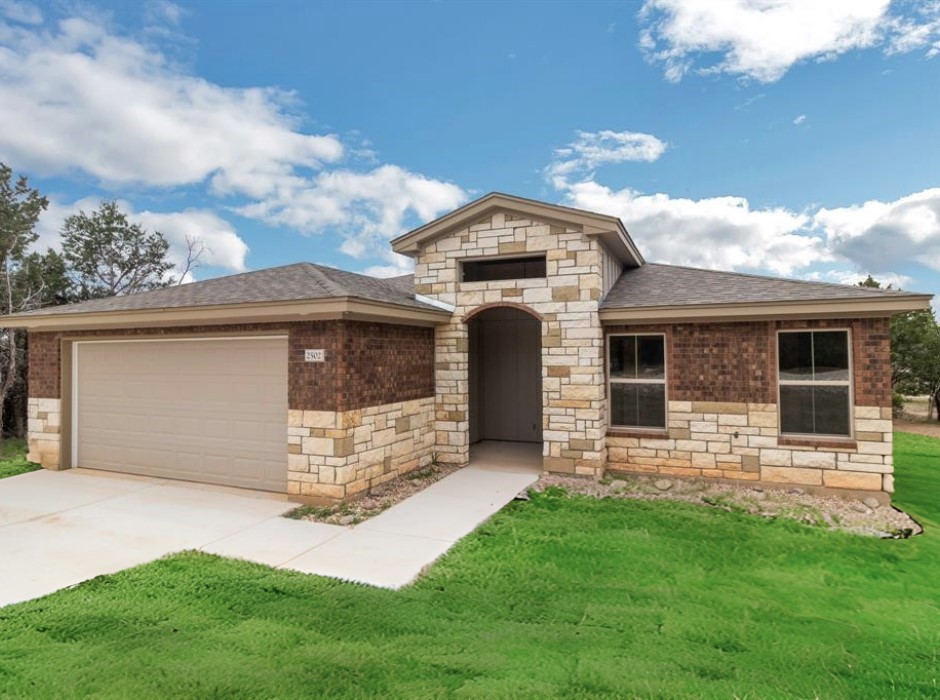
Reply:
x=318, y=355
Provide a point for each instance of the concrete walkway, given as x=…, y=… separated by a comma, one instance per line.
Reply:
x=58, y=529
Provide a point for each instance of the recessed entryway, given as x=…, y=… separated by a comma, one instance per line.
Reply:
x=505, y=376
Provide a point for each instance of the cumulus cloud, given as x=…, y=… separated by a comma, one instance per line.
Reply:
x=853, y=277
x=78, y=99
x=799, y=119
x=763, y=39
x=21, y=12
x=81, y=99
x=224, y=248
x=722, y=233
x=366, y=208
x=595, y=148
x=878, y=235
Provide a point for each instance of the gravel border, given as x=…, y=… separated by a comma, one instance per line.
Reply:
x=380, y=499
x=866, y=517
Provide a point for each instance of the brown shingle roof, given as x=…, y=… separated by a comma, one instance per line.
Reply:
x=655, y=284
x=297, y=282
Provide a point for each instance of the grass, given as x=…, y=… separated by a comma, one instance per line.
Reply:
x=554, y=598
x=13, y=458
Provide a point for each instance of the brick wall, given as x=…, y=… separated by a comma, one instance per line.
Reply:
x=368, y=364
x=736, y=362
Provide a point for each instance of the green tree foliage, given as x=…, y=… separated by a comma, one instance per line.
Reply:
x=915, y=352
x=23, y=285
x=107, y=255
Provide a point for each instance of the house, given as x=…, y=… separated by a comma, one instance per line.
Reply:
x=524, y=321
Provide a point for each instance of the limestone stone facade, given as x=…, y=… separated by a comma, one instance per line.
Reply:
x=741, y=441
x=574, y=417
x=334, y=455
x=44, y=431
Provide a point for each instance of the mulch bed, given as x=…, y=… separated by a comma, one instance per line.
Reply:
x=378, y=500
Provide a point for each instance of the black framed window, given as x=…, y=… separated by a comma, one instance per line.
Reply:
x=529, y=267
x=815, y=382
x=636, y=375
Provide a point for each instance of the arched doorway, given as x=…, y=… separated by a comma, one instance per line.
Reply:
x=505, y=376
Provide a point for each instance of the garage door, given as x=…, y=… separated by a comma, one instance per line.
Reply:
x=209, y=410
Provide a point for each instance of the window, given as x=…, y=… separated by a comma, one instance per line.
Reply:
x=815, y=382
x=636, y=373
x=503, y=269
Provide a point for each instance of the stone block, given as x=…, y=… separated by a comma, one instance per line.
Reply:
x=819, y=460
x=839, y=479
x=875, y=426
x=318, y=446
x=790, y=475
x=320, y=419
x=718, y=407
x=776, y=458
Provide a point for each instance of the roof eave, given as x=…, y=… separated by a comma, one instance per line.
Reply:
x=351, y=308
x=767, y=311
x=609, y=229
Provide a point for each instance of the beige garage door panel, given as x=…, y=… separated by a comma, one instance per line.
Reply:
x=210, y=410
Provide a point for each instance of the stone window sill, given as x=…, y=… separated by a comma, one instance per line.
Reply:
x=844, y=443
x=655, y=433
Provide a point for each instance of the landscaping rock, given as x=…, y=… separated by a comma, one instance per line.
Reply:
x=346, y=520
x=829, y=512
x=871, y=502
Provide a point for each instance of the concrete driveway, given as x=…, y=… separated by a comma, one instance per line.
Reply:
x=58, y=529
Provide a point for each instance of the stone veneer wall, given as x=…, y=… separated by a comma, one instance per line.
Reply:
x=574, y=417
x=337, y=454
x=375, y=375
x=723, y=419
x=44, y=431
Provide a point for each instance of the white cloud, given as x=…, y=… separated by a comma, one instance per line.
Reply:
x=800, y=119
x=81, y=99
x=763, y=39
x=224, y=248
x=163, y=11
x=722, y=233
x=366, y=209
x=77, y=98
x=880, y=235
x=19, y=11
x=592, y=149
x=853, y=277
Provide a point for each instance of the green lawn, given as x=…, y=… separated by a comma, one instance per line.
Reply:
x=553, y=598
x=13, y=458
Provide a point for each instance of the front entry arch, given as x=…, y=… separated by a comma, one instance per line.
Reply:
x=505, y=376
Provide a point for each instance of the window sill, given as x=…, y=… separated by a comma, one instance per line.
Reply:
x=845, y=443
x=654, y=433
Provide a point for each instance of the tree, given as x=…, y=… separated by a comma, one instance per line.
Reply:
x=915, y=353
x=107, y=255
x=915, y=356
x=23, y=285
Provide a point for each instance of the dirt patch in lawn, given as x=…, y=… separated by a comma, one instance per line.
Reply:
x=866, y=517
x=922, y=427
x=380, y=499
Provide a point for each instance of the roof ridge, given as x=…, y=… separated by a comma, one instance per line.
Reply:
x=319, y=273
x=838, y=285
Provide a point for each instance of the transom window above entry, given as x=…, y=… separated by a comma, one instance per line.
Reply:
x=529, y=267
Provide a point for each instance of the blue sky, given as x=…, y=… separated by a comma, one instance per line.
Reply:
x=793, y=138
